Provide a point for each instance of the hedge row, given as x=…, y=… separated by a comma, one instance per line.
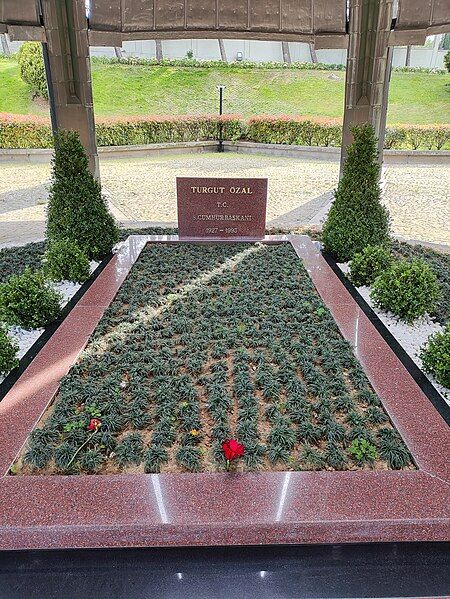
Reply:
x=245, y=64
x=35, y=132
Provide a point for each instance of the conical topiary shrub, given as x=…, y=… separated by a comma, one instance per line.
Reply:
x=76, y=209
x=357, y=218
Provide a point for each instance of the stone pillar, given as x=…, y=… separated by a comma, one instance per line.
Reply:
x=223, y=54
x=159, y=50
x=369, y=61
x=5, y=44
x=286, y=52
x=69, y=71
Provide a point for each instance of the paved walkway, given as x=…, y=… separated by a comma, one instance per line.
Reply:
x=142, y=191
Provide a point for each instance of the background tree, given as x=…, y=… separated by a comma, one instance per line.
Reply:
x=32, y=69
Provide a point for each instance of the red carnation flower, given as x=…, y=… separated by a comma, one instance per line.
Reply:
x=94, y=424
x=232, y=450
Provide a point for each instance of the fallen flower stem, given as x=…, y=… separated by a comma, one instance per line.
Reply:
x=80, y=448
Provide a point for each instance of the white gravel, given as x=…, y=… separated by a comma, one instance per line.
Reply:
x=410, y=336
x=26, y=338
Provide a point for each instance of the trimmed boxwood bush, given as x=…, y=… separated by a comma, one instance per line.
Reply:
x=439, y=263
x=8, y=351
x=367, y=265
x=28, y=300
x=64, y=261
x=407, y=289
x=77, y=210
x=357, y=218
x=32, y=69
x=435, y=356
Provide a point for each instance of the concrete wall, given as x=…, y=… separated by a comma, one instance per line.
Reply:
x=421, y=56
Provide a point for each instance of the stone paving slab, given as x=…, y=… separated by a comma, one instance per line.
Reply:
x=143, y=189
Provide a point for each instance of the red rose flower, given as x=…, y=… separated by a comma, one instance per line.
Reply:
x=232, y=450
x=94, y=424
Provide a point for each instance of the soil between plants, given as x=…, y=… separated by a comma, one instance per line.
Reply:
x=206, y=343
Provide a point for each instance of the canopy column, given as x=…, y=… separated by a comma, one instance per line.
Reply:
x=69, y=73
x=369, y=61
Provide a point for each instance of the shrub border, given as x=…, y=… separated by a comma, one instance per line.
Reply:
x=420, y=378
x=288, y=130
x=14, y=375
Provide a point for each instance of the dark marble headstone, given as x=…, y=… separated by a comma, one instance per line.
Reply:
x=211, y=208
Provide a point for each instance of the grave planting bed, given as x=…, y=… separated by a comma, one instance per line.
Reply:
x=177, y=345
x=208, y=343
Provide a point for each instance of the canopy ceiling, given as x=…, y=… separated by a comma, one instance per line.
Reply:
x=322, y=21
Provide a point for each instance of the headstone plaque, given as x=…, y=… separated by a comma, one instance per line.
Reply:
x=230, y=208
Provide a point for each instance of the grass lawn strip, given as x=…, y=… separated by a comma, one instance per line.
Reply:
x=204, y=343
x=414, y=98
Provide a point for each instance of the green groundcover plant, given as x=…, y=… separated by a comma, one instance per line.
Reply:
x=213, y=347
x=362, y=451
x=8, y=351
x=65, y=261
x=16, y=259
x=435, y=356
x=357, y=218
x=28, y=300
x=407, y=289
x=367, y=265
x=77, y=211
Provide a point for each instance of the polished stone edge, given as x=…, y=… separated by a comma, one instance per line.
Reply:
x=219, y=509
x=222, y=509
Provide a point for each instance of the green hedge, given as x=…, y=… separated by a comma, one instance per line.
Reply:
x=245, y=64
x=219, y=64
x=17, y=131
x=138, y=130
x=291, y=130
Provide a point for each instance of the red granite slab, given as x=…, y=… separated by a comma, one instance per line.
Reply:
x=221, y=207
x=219, y=509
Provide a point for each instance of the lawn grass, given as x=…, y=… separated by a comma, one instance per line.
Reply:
x=119, y=90
x=14, y=93
x=208, y=343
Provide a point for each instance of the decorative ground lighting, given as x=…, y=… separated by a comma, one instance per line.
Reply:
x=220, y=89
